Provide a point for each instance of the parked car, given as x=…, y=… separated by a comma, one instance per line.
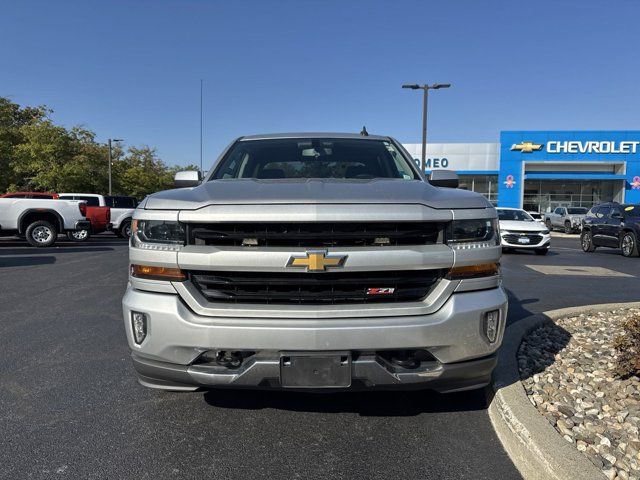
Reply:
x=519, y=230
x=99, y=215
x=361, y=273
x=42, y=195
x=122, y=208
x=537, y=216
x=41, y=220
x=567, y=218
x=612, y=225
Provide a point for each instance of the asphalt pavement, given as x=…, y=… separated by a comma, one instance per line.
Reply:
x=70, y=406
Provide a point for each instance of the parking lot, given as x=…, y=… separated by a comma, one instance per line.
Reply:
x=71, y=405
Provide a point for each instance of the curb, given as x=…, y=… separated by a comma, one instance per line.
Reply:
x=532, y=443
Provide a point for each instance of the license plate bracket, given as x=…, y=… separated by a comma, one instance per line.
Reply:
x=315, y=370
x=524, y=240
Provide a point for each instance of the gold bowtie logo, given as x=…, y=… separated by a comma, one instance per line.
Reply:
x=316, y=261
x=526, y=147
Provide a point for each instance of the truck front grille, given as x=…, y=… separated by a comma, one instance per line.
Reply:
x=315, y=288
x=320, y=234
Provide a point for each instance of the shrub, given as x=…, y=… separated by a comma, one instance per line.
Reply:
x=628, y=347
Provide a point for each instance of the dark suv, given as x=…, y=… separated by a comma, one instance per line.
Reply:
x=612, y=225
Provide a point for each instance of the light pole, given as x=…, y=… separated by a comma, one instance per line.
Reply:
x=425, y=88
x=109, y=142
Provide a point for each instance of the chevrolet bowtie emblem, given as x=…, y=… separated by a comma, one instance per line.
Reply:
x=316, y=261
x=526, y=147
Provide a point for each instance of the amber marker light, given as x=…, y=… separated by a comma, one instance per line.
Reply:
x=474, y=271
x=157, y=273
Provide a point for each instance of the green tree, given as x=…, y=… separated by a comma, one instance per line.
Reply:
x=36, y=154
x=13, y=118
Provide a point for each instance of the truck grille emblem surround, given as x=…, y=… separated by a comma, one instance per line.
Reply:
x=316, y=261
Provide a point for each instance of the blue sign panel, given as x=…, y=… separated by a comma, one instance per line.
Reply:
x=618, y=148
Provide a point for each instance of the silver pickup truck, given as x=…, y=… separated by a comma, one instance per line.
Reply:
x=315, y=261
x=568, y=219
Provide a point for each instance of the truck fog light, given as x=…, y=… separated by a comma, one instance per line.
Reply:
x=491, y=323
x=139, y=326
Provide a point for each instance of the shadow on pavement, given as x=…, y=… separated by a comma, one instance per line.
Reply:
x=26, y=261
x=51, y=250
x=367, y=404
x=517, y=310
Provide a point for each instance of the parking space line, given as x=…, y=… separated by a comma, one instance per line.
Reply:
x=577, y=270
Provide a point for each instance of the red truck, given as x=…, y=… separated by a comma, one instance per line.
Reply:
x=100, y=217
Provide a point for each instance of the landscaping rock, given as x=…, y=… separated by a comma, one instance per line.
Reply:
x=568, y=372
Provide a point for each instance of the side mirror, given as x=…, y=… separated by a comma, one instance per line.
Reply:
x=187, y=178
x=444, y=178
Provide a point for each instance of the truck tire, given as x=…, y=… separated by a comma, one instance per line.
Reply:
x=78, y=235
x=549, y=225
x=586, y=242
x=41, y=234
x=125, y=229
x=567, y=227
x=629, y=244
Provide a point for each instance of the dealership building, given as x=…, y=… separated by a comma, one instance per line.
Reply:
x=542, y=170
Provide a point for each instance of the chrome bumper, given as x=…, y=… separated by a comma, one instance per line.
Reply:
x=177, y=336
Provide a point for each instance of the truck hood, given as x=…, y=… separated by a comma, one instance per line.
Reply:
x=313, y=191
x=521, y=226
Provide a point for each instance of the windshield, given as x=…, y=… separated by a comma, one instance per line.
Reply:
x=313, y=158
x=577, y=211
x=516, y=215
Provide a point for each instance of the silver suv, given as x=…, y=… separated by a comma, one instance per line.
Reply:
x=315, y=261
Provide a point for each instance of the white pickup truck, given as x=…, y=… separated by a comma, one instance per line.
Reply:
x=40, y=221
x=121, y=209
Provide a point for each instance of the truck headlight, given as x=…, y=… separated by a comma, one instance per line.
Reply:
x=471, y=234
x=157, y=235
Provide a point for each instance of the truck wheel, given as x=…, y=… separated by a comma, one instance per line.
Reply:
x=41, y=234
x=78, y=235
x=629, y=245
x=549, y=225
x=125, y=229
x=567, y=227
x=586, y=242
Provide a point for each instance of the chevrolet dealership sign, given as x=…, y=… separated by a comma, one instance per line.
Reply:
x=610, y=147
x=592, y=147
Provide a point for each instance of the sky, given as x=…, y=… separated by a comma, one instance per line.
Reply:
x=132, y=69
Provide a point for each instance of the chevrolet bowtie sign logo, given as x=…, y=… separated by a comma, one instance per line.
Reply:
x=316, y=261
x=526, y=147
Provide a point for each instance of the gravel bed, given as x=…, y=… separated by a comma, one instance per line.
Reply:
x=567, y=369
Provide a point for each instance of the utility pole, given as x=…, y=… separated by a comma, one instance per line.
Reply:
x=425, y=96
x=110, y=156
x=201, y=122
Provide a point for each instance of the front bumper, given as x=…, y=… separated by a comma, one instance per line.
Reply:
x=507, y=241
x=177, y=336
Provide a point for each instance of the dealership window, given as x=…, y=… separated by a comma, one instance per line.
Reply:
x=487, y=185
x=547, y=195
